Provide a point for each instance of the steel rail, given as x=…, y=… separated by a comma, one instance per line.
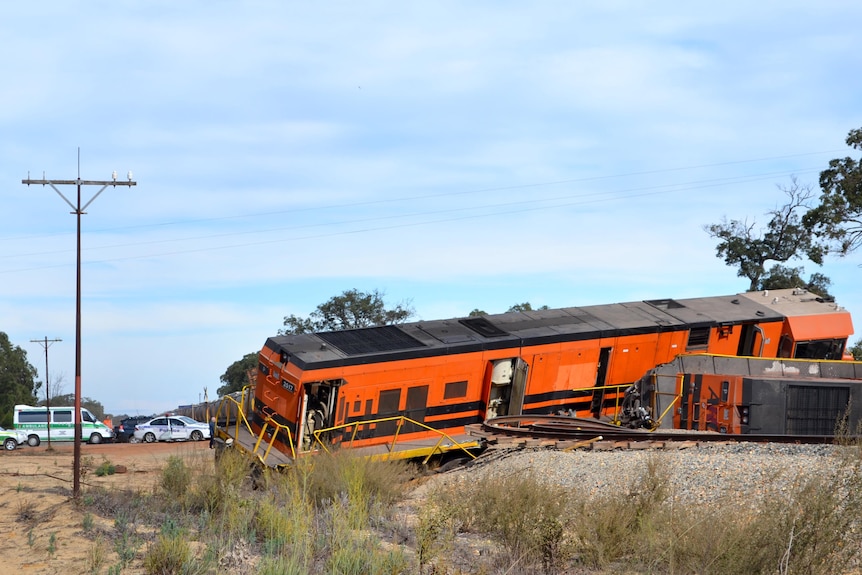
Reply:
x=572, y=428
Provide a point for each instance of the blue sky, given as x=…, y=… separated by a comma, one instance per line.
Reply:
x=456, y=155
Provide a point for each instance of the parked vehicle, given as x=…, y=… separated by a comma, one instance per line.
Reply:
x=125, y=432
x=12, y=438
x=172, y=428
x=34, y=421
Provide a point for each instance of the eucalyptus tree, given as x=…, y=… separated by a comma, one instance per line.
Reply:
x=784, y=237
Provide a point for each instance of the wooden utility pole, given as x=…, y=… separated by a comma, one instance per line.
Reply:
x=78, y=210
x=46, y=343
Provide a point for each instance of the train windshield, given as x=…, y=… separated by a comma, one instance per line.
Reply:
x=821, y=349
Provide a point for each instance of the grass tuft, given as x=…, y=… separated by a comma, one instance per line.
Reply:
x=168, y=555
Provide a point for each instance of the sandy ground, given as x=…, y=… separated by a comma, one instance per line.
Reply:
x=42, y=524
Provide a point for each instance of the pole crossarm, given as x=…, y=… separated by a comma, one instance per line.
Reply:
x=79, y=182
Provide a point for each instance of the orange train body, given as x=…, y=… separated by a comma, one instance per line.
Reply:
x=450, y=373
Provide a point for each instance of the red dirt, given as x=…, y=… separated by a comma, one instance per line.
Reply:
x=43, y=525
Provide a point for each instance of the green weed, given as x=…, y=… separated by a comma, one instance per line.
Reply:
x=97, y=555
x=126, y=541
x=105, y=468
x=52, y=543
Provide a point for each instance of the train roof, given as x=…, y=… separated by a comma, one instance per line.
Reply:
x=794, y=302
x=535, y=327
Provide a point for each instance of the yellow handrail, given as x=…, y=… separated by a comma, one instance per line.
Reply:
x=676, y=397
x=226, y=400
x=401, y=420
x=616, y=417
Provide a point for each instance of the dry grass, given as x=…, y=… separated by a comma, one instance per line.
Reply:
x=343, y=514
x=813, y=528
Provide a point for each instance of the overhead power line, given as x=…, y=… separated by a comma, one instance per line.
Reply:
x=483, y=211
x=402, y=199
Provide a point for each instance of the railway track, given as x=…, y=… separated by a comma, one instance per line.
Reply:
x=565, y=432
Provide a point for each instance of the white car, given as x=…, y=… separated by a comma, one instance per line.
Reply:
x=12, y=438
x=171, y=428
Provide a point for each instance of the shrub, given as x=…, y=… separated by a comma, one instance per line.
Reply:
x=529, y=518
x=168, y=555
x=176, y=478
x=326, y=477
x=105, y=468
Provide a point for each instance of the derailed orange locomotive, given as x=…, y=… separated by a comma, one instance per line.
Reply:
x=445, y=374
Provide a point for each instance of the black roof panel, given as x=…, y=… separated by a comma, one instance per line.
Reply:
x=381, y=339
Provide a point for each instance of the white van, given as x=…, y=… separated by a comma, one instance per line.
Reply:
x=34, y=422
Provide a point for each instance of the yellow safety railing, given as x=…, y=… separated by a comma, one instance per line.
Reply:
x=617, y=399
x=657, y=420
x=676, y=397
x=241, y=420
x=401, y=420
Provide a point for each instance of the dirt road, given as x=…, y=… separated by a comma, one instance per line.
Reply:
x=121, y=453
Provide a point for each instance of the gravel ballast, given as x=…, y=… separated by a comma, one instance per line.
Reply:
x=702, y=473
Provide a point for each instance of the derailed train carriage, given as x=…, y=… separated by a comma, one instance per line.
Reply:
x=585, y=361
x=748, y=395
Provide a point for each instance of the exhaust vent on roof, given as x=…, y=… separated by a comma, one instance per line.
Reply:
x=665, y=303
x=483, y=327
